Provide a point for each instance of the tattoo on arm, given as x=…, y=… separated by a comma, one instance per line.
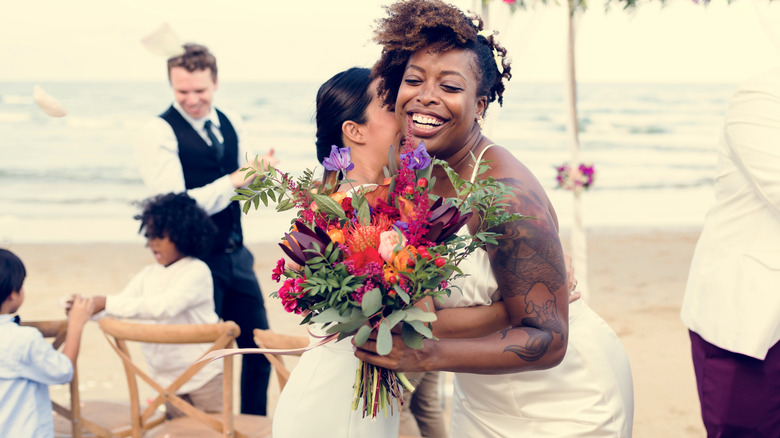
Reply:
x=528, y=263
x=535, y=346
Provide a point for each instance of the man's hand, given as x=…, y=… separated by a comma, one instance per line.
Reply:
x=239, y=178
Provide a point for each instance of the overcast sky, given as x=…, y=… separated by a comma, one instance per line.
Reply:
x=292, y=40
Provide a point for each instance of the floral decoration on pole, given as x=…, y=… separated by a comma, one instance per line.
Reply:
x=575, y=179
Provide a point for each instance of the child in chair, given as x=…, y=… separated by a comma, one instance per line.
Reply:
x=178, y=289
x=29, y=364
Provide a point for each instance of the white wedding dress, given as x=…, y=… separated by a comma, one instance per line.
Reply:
x=317, y=399
x=589, y=394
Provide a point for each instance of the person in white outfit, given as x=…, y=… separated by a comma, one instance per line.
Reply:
x=731, y=304
x=557, y=370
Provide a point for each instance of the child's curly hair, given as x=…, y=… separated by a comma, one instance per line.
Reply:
x=412, y=25
x=178, y=217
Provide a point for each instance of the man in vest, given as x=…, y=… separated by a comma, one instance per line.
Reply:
x=195, y=147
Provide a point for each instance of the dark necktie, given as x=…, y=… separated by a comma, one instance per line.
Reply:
x=218, y=147
x=16, y=319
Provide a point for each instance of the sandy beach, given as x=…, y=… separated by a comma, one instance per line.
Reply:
x=636, y=284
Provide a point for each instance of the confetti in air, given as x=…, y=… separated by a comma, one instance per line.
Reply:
x=163, y=41
x=47, y=103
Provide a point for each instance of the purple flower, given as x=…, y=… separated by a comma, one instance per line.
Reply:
x=418, y=158
x=339, y=160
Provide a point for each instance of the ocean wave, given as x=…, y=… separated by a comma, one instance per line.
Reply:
x=16, y=99
x=14, y=117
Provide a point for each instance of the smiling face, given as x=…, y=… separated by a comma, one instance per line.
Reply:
x=438, y=96
x=165, y=252
x=193, y=90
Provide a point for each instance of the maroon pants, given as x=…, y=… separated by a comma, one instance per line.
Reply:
x=739, y=395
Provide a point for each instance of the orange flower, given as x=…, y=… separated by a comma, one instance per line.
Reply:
x=338, y=196
x=403, y=260
x=336, y=235
x=390, y=275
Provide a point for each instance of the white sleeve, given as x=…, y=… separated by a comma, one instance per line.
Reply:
x=157, y=154
x=752, y=130
x=189, y=288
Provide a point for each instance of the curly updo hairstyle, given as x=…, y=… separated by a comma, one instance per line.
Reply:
x=412, y=25
x=179, y=218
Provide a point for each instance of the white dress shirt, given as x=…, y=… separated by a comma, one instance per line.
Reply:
x=157, y=154
x=732, y=298
x=28, y=365
x=181, y=293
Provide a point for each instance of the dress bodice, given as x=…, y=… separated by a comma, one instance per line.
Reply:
x=478, y=287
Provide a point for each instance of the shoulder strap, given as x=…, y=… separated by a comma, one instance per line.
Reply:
x=479, y=160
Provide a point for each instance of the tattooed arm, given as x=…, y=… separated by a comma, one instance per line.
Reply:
x=529, y=266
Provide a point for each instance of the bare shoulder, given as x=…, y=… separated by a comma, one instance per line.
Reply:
x=508, y=169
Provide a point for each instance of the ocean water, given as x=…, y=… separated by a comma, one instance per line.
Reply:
x=75, y=179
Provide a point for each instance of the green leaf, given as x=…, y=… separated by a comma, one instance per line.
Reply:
x=384, y=340
x=364, y=213
x=417, y=314
x=328, y=205
x=411, y=338
x=347, y=328
x=245, y=192
x=372, y=302
x=420, y=328
x=401, y=293
x=362, y=335
x=246, y=207
x=395, y=317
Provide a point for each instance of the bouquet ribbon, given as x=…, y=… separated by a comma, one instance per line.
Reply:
x=218, y=354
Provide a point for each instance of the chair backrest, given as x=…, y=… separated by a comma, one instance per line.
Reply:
x=221, y=335
x=270, y=339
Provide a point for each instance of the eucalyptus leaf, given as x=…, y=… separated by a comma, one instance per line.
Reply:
x=411, y=338
x=396, y=317
x=347, y=328
x=372, y=302
x=384, y=340
x=420, y=328
x=417, y=314
x=362, y=335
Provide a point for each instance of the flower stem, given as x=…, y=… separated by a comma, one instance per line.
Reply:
x=405, y=381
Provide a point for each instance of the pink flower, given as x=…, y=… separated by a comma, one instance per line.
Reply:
x=388, y=241
x=513, y=1
x=276, y=274
x=289, y=294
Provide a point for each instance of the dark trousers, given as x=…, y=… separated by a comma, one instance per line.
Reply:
x=739, y=395
x=237, y=298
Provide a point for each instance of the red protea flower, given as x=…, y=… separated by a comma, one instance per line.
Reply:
x=360, y=237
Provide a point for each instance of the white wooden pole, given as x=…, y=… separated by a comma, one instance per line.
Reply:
x=579, y=247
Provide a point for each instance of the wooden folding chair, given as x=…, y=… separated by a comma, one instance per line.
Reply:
x=195, y=423
x=80, y=419
x=270, y=339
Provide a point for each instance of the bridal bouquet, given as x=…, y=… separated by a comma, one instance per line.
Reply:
x=362, y=257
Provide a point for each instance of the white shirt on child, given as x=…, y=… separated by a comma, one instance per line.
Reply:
x=181, y=293
x=28, y=365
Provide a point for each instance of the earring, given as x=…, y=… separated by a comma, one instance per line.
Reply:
x=480, y=121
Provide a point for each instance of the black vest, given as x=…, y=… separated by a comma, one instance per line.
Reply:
x=200, y=166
